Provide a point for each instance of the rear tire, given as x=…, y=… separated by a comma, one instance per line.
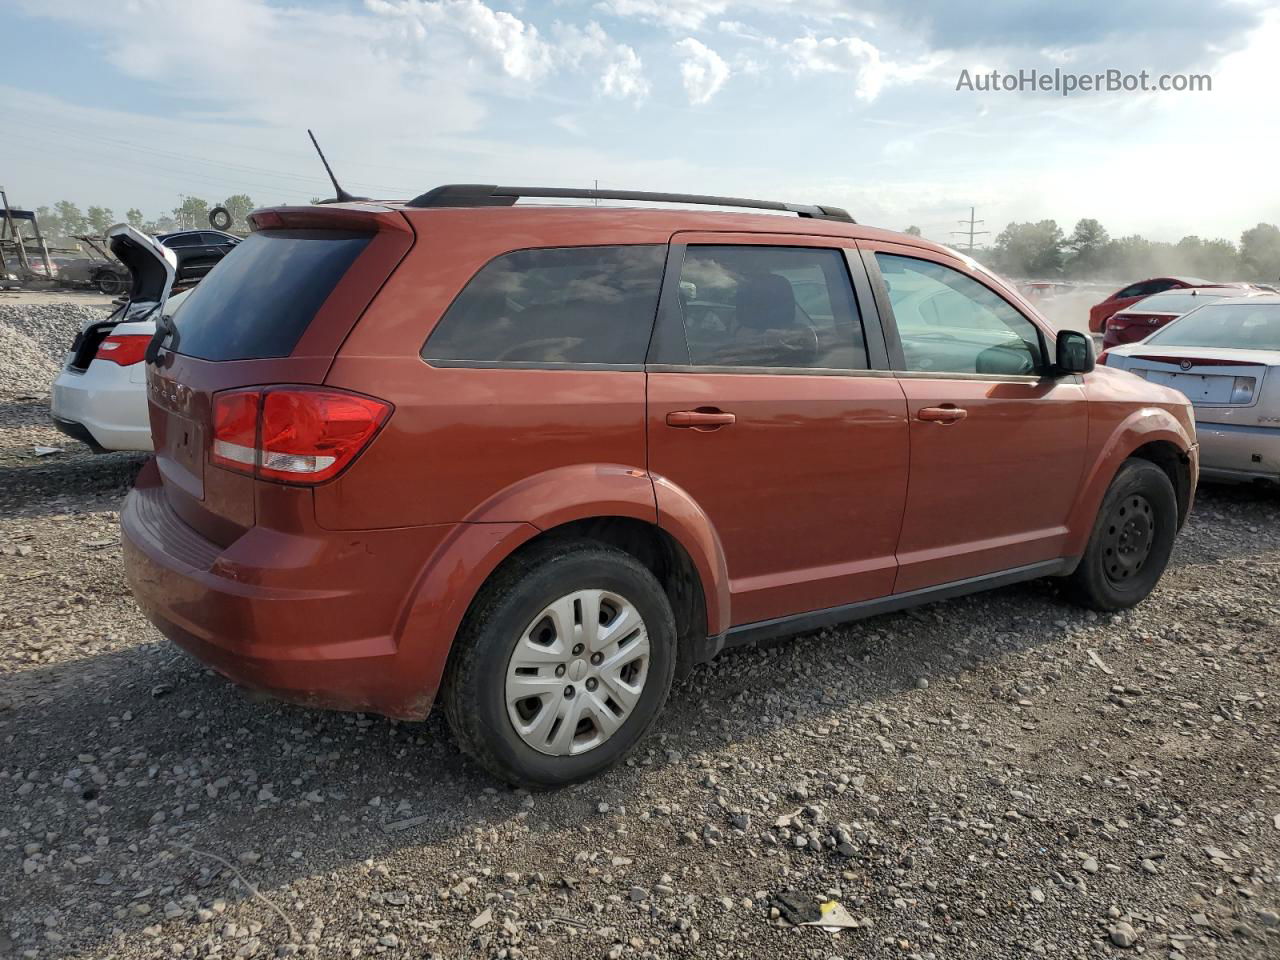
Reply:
x=1131, y=542
x=587, y=631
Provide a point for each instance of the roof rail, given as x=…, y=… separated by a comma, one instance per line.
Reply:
x=490, y=195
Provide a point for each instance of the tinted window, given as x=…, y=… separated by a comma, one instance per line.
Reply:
x=950, y=323
x=264, y=293
x=1244, y=326
x=758, y=306
x=558, y=305
x=214, y=239
x=182, y=240
x=1172, y=302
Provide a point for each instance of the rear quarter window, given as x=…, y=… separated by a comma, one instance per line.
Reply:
x=561, y=305
x=264, y=293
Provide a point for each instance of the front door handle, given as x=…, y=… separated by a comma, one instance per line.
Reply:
x=944, y=414
x=707, y=419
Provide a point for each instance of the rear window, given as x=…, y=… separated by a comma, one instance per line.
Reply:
x=1172, y=302
x=260, y=298
x=1240, y=326
x=562, y=305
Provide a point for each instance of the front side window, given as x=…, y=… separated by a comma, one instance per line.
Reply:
x=562, y=305
x=950, y=323
x=762, y=306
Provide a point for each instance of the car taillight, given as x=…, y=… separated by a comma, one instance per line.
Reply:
x=126, y=349
x=1102, y=358
x=293, y=434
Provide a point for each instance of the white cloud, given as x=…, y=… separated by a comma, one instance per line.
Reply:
x=851, y=55
x=676, y=14
x=702, y=70
x=515, y=45
x=624, y=77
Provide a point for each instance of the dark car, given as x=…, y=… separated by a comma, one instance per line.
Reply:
x=537, y=461
x=198, y=251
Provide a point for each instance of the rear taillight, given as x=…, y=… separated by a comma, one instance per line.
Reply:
x=126, y=349
x=1102, y=358
x=293, y=434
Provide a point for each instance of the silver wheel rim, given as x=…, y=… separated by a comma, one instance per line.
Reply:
x=577, y=672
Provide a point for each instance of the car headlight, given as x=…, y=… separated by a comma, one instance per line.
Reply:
x=1242, y=390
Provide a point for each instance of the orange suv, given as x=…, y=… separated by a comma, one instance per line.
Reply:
x=537, y=461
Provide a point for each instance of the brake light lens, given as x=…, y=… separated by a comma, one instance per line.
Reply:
x=1102, y=358
x=126, y=349
x=293, y=434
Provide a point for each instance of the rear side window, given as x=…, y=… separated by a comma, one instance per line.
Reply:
x=264, y=293
x=763, y=306
x=562, y=305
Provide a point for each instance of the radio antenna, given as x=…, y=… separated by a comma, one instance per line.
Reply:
x=339, y=195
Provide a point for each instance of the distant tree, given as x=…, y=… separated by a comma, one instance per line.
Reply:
x=1211, y=259
x=1031, y=249
x=314, y=201
x=135, y=218
x=913, y=230
x=192, y=213
x=161, y=224
x=70, y=220
x=1260, y=252
x=239, y=205
x=50, y=225
x=100, y=218
x=1087, y=247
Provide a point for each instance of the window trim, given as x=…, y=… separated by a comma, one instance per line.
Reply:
x=540, y=364
x=669, y=346
x=896, y=353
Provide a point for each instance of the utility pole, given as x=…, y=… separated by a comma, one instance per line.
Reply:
x=970, y=232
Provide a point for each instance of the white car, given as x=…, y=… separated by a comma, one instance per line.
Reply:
x=1225, y=356
x=100, y=397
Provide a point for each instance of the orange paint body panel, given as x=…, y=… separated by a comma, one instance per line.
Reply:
x=785, y=491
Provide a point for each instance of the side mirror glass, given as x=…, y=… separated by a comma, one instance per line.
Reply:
x=1075, y=352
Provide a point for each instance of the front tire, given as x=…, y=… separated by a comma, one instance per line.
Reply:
x=1131, y=542
x=562, y=663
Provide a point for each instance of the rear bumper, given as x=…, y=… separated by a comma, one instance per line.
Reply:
x=108, y=402
x=308, y=617
x=1238, y=453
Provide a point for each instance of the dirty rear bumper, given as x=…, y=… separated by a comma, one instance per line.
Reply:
x=307, y=617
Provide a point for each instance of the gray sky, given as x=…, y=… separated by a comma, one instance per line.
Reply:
x=825, y=101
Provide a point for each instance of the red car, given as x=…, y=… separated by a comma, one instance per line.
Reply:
x=534, y=462
x=1099, y=313
x=1139, y=320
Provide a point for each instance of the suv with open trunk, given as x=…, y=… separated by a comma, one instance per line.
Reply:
x=537, y=461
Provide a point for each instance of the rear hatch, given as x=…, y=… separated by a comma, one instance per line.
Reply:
x=152, y=267
x=273, y=312
x=1217, y=381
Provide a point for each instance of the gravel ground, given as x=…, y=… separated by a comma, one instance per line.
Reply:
x=1000, y=776
x=35, y=334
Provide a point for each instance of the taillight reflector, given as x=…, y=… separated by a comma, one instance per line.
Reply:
x=126, y=349
x=1102, y=358
x=293, y=434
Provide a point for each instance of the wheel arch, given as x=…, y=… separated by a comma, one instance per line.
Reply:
x=1151, y=433
x=607, y=503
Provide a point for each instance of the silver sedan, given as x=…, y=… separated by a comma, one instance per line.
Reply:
x=1225, y=356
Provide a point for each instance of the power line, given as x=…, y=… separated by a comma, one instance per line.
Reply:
x=970, y=232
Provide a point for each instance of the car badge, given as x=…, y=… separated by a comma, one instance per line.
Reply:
x=1186, y=364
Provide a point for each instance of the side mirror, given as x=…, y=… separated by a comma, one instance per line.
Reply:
x=1075, y=352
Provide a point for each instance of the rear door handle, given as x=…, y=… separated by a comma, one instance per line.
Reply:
x=943, y=414
x=700, y=419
